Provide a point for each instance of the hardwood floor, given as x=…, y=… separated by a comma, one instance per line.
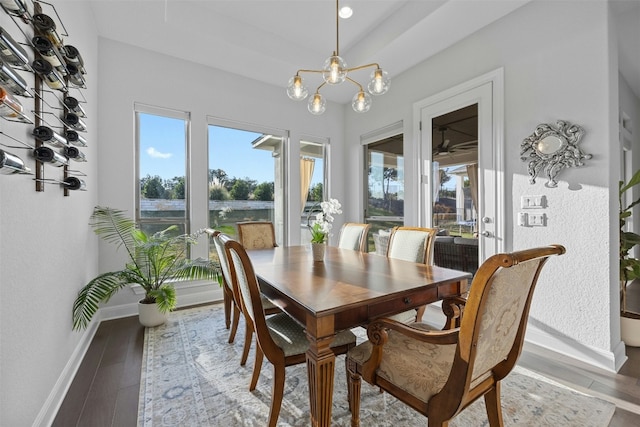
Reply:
x=105, y=390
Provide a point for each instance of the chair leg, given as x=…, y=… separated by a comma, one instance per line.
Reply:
x=346, y=369
x=247, y=343
x=277, y=394
x=494, y=409
x=227, y=308
x=257, y=367
x=234, y=323
x=353, y=391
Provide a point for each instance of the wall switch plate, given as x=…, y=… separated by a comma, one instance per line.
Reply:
x=522, y=219
x=533, y=202
x=537, y=220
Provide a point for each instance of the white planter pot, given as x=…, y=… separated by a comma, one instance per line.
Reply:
x=630, y=331
x=150, y=315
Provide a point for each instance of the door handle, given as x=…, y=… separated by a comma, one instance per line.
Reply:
x=486, y=233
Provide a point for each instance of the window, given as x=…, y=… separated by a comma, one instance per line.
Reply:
x=162, y=151
x=384, y=208
x=245, y=176
x=313, y=180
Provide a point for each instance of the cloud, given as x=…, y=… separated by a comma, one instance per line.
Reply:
x=158, y=155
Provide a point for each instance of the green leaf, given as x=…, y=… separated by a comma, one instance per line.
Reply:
x=153, y=262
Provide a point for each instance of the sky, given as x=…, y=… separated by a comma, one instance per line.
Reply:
x=162, y=151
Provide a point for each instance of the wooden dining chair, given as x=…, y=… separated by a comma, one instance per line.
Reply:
x=280, y=338
x=440, y=373
x=354, y=236
x=232, y=299
x=413, y=244
x=256, y=234
x=227, y=292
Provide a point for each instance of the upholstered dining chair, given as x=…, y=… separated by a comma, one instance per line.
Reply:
x=280, y=338
x=354, y=236
x=256, y=234
x=231, y=299
x=413, y=244
x=440, y=373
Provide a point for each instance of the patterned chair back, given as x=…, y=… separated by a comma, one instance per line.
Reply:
x=354, y=236
x=224, y=261
x=505, y=303
x=256, y=234
x=413, y=244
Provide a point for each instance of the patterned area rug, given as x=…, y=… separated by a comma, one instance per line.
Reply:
x=191, y=376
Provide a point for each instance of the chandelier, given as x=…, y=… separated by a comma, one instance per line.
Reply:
x=334, y=72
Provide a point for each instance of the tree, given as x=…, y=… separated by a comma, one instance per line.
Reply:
x=152, y=188
x=217, y=175
x=317, y=192
x=264, y=191
x=240, y=190
x=444, y=177
x=177, y=185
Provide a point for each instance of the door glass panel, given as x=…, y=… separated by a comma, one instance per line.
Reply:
x=455, y=166
x=385, y=190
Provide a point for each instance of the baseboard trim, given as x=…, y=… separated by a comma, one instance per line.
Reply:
x=50, y=409
x=128, y=310
x=553, y=347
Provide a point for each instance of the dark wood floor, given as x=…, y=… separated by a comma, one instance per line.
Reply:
x=105, y=390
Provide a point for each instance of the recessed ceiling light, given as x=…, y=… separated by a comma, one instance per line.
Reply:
x=345, y=12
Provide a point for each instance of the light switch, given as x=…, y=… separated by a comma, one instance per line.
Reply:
x=537, y=220
x=533, y=202
x=522, y=219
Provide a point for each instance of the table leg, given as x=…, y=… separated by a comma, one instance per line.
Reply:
x=320, y=370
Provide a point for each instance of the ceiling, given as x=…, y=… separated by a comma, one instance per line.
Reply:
x=269, y=40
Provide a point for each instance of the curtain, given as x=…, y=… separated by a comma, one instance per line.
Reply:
x=472, y=173
x=306, y=173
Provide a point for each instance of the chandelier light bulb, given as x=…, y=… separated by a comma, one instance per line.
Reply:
x=379, y=83
x=296, y=90
x=317, y=104
x=334, y=70
x=361, y=102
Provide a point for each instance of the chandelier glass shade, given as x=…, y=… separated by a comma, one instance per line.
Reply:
x=334, y=72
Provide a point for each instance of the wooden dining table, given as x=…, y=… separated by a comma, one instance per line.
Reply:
x=347, y=289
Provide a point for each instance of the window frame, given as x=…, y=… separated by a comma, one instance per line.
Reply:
x=265, y=130
x=140, y=108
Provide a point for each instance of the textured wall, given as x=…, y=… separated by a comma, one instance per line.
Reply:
x=556, y=62
x=47, y=251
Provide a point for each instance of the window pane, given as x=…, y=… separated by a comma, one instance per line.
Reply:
x=385, y=187
x=245, y=179
x=162, y=166
x=312, y=183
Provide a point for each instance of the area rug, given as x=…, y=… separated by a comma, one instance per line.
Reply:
x=191, y=376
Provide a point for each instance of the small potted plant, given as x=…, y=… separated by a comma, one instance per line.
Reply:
x=155, y=261
x=321, y=227
x=629, y=266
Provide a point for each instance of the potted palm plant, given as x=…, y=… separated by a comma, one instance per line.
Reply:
x=629, y=265
x=155, y=262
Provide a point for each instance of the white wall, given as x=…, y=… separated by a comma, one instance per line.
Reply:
x=47, y=252
x=130, y=74
x=555, y=57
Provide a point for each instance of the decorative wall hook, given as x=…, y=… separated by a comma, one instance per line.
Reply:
x=550, y=149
